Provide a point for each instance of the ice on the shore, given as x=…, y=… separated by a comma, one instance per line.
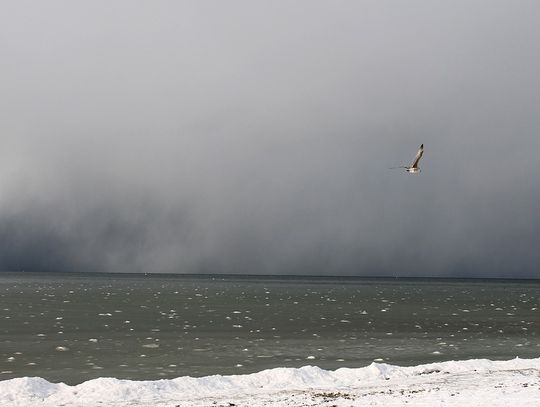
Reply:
x=458, y=383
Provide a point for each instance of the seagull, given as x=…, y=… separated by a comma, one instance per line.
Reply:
x=413, y=168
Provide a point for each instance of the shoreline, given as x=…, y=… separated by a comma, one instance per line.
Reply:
x=480, y=382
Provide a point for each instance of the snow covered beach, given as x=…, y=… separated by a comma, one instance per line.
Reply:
x=478, y=382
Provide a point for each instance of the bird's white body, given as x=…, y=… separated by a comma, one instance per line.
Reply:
x=413, y=170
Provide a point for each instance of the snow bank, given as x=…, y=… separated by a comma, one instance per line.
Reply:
x=444, y=383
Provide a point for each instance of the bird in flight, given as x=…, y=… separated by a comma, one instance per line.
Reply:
x=413, y=168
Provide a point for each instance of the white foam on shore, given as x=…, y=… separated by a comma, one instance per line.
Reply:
x=481, y=381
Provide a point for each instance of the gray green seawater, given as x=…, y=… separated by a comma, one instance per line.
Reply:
x=70, y=327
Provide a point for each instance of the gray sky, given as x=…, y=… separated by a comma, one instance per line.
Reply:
x=255, y=137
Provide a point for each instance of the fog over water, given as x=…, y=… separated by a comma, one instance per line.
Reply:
x=256, y=137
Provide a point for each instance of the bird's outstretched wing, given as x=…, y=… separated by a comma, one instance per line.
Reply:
x=419, y=155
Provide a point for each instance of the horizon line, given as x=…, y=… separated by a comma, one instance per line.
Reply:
x=268, y=276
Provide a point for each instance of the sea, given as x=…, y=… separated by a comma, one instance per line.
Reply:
x=73, y=327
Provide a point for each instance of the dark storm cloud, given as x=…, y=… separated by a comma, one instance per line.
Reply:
x=255, y=137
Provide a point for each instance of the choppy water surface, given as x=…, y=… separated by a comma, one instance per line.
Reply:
x=73, y=327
